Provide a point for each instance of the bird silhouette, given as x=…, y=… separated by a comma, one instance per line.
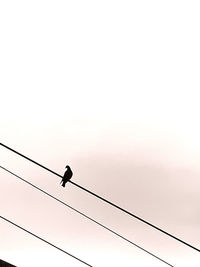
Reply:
x=67, y=176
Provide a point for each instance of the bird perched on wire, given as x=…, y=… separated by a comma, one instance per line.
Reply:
x=67, y=176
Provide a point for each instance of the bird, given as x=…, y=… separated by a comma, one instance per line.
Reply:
x=67, y=176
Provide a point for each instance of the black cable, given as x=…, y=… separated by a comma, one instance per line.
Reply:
x=107, y=201
x=85, y=216
x=45, y=241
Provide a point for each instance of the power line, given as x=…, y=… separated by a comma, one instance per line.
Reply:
x=5, y=219
x=107, y=201
x=84, y=215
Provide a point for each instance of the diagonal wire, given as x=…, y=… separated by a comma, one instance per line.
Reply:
x=81, y=213
x=107, y=201
x=51, y=244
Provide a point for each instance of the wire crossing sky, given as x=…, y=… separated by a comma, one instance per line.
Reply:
x=85, y=216
x=107, y=201
x=51, y=244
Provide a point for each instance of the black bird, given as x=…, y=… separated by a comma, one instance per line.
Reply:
x=67, y=176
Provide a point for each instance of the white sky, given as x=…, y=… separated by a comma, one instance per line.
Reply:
x=112, y=88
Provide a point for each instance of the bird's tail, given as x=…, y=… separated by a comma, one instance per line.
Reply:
x=62, y=183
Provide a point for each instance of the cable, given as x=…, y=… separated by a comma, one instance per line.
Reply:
x=85, y=216
x=107, y=201
x=45, y=241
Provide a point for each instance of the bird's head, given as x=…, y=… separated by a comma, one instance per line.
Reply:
x=67, y=167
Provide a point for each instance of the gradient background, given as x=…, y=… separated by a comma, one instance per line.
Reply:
x=112, y=89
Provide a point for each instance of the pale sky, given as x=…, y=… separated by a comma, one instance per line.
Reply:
x=112, y=89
